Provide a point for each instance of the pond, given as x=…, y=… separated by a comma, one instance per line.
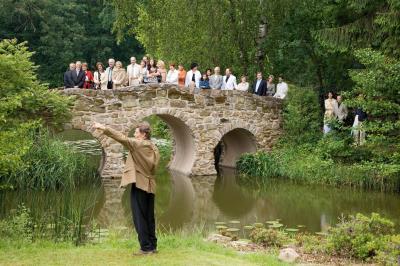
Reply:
x=199, y=202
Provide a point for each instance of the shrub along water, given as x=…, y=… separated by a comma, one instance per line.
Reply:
x=304, y=155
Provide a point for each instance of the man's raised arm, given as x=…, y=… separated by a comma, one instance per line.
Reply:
x=114, y=134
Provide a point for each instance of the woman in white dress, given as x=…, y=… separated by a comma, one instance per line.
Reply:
x=243, y=85
x=330, y=107
x=100, y=77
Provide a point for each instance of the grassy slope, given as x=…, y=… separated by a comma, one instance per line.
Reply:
x=173, y=250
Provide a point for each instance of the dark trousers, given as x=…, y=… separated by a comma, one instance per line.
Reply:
x=142, y=205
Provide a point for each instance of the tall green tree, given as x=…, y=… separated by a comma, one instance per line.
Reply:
x=377, y=92
x=363, y=24
x=63, y=31
x=209, y=32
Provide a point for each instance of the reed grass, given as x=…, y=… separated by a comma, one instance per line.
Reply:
x=52, y=164
x=307, y=167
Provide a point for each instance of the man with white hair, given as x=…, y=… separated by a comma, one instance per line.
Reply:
x=228, y=81
x=216, y=79
x=78, y=75
x=133, y=72
x=109, y=71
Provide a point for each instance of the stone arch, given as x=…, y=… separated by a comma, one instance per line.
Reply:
x=184, y=149
x=234, y=142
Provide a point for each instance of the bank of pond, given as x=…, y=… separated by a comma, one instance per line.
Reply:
x=271, y=212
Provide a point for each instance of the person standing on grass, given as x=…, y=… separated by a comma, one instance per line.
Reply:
x=140, y=167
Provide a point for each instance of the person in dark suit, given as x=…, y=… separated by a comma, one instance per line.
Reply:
x=259, y=86
x=78, y=76
x=68, y=83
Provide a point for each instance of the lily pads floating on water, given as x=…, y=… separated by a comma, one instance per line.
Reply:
x=234, y=222
x=275, y=226
x=233, y=230
x=220, y=223
x=221, y=227
x=271, y=222
x=291, y=230
x=301, y=226
x=248, y=227
x=258, y=225
x=321, y=233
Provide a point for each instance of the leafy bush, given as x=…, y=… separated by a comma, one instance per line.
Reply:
x=359, y=236
x=18, y=226
x=390, y=251
x=159, y=128
x=304, y=164
x=268, y=237
x=25, y=106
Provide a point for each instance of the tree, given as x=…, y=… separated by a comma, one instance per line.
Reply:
x=209, y=32
x=64, y=31
x=378, y=84
x=363, y=24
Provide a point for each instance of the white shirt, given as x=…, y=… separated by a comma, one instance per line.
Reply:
x=172, y=76
x=109, y=73
x=133, y=72
x=258, y=84
x=189, y=75
x=281, y=90
x=243, y=86
x=230, y=84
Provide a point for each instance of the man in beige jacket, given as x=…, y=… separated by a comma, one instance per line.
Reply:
x=140, y=167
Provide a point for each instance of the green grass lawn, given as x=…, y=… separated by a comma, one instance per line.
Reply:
x=173, y=250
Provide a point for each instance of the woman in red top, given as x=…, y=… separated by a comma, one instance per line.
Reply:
x=89, y=77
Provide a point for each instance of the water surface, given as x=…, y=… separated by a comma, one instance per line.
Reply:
x=198, y=202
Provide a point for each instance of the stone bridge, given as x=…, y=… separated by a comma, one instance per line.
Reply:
x=236, y=121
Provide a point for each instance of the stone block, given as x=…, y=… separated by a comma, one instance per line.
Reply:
x=220, y=99
x=114, y=106
x=174, y=93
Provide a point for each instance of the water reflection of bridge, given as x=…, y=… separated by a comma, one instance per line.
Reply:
x=202, y=200
x=198, y=200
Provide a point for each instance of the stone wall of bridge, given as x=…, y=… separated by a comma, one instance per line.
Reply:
x=244, y=122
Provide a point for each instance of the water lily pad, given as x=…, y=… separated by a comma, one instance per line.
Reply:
x=258, y=225
x=301, y=226
x=291, y=230
x=276, y=225
x=248, y=227
x=221, y=227
x=220, y=223
x=234, y=222
x=233, y=230
x=321, y=233
x=271, y=222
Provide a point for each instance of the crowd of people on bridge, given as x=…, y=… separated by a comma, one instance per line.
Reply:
x=148, y=70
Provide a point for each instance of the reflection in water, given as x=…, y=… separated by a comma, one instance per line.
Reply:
x=229, y=197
